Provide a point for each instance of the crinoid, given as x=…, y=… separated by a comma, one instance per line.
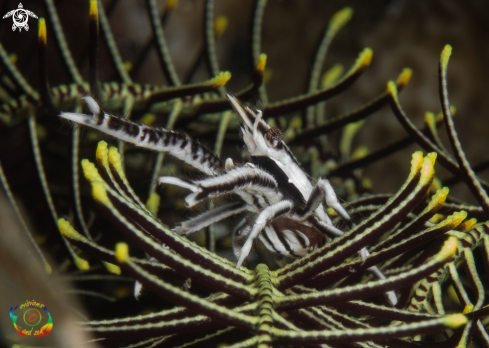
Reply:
x=382, y=270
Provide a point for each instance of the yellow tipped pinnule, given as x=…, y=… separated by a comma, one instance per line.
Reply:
x=99, y=193
x=170, y=4
x=112, y=268
x=404, y=77
x=332, y=75
x=429, y=118
x=101, y=152
x=340, y=18
x=68, y=231
x=456, y=218
x=432, y=157
x=427, y=169
x=392, y=90
x=440, y=196
x=455, y=320
x=469, y=308
x=365, y=58
x=127, y=66
x=220, y=26
x=467, y=225
x=148, y=119
x=437, y=218
x=13, y=58
x=448, y=249
x=153, y=203
x=436, y=184
x=453, y=109
x=42, y=34
x=221, y=79
x=93, y=10
x=262, y=62
x=115, y=161
x=445, y=56
x=90, y=171
x=416, y=163
x=121, y=252
x=82, y=264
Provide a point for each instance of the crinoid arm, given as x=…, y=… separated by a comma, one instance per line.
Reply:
x=176, y=144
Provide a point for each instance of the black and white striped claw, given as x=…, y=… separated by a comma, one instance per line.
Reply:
x=176, y=144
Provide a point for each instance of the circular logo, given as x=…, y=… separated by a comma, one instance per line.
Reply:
x=32, y=317
x=20, y=17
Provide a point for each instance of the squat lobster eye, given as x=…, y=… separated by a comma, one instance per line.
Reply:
x=273, y=136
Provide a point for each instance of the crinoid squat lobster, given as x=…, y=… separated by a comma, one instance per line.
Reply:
x=283, y=208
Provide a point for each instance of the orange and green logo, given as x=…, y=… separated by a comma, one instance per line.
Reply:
x=32, y=319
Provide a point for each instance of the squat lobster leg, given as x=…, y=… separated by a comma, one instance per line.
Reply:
x=209, y=217
x=263, y=218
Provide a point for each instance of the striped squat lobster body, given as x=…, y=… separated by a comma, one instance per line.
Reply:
x=281, y=206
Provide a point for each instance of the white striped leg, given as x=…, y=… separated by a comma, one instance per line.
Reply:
x=263, y=218
x=324, y=191
x=237, y=179
x=209, y=217
x=178, y=145
x=240, y=232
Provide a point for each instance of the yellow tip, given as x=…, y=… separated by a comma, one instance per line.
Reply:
x=101, y=152
x=439, y=197
x=445, y=56
x=416, y=163
x=332, y=75
x=112, y=268
x=467, y=225
x=115, y=161
x=392, y=89
x=68, y=231
x=121, y=252
x=13, y=58
x=47, y=268
x=127, y=66
x=148, y=119
x=171, y=4
x=93, y=10
x=455, y=320
x=220, y=26
x=89, y=170
x=99, y=193
x=432, y=157
x=429, y=118
x=82, y=264
x=469, y=308
x=42, y=34
x=404, y=77
x=340, y=18
x=262, y=62
x=448, y=249
x=365, y=58
x=221, y=79
x=153, y=203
